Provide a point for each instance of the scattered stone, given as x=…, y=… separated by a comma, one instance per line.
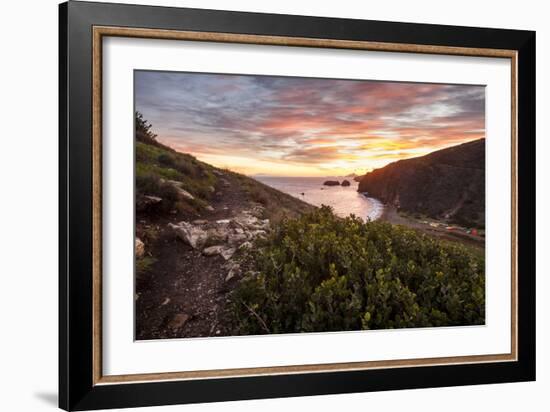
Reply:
x=178, y=321
x=223, y=237
x=228, y=253
x=166, y=302
x=257, y=211
x=217, y=234
x=247, y=221
x=179, y=187
x=235, y=239
x=217, y=172
x=140, y=247
x=246, y=245
x=213, y=250
x=209, y=208
x=233, y=271
x=258, y=233
x=185, y=194
x=194, y=236
x=172, y=182
x=223, y=251
x=146, y=202
x=225, y=182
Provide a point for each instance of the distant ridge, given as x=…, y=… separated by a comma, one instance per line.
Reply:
x=445, y=184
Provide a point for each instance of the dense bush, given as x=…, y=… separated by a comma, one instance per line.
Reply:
x=323, y=273
x=143, y=130
x=150, y=184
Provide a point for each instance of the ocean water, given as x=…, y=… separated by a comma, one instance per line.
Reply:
x=344, y=200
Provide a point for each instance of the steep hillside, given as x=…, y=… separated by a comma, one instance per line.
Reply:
x=446, y=184
x=193, y=223
x=179, y=186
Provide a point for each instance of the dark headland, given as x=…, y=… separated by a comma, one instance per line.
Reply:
x=447, y=184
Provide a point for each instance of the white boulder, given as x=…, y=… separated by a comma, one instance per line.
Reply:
x=139, y=247
x=194, y=236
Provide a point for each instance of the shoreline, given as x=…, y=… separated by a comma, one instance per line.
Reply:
x=379, y=209
x=432, y=227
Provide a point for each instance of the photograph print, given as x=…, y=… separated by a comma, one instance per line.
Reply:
x=273, y=205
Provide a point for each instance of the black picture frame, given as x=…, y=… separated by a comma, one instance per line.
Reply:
x=77, y=390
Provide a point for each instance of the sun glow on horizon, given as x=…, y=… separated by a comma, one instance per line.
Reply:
x=251, y=166
x=285, y=126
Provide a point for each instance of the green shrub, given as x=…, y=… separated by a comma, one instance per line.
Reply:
x=323, y=273
x=167, y=160
x=144, y=265
x=148, y=183
x=155, y=162
x=143, y=130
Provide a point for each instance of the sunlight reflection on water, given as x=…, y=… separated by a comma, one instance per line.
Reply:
x=344, y=200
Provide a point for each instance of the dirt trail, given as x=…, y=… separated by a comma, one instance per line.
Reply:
x=185, y=293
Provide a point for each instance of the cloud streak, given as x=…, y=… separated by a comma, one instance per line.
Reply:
x=286, y=125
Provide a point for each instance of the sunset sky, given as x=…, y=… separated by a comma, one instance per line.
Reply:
x=305, y=127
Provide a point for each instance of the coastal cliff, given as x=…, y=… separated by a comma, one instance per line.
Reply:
x=446, y=184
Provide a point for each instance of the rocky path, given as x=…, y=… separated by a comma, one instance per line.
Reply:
x=185, y=294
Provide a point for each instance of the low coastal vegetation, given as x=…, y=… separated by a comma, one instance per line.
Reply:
x=219, y=253
x=324, y=273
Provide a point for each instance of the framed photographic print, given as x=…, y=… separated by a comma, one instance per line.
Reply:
x=257, y=205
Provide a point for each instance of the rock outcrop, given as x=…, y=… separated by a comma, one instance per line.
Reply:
x=223, y=237
x=224, y=251
x=332, y=183
x=448, y=184
x=179, y=188
x=147, y=203
x=193, y=235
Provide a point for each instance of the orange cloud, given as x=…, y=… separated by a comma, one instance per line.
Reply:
x=274, y=125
